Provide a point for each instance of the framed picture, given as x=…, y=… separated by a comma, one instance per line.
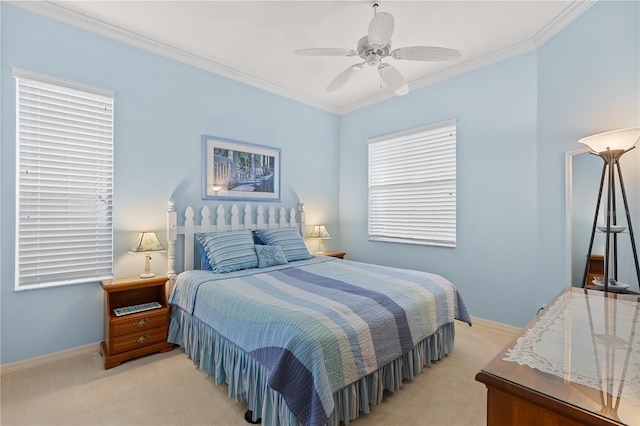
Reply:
x=233, y=170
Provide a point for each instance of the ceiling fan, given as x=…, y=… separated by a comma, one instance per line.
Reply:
x=376, y=46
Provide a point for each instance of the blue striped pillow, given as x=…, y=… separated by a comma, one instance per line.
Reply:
x=287, y=238
x=206, y=262
x=229, y=251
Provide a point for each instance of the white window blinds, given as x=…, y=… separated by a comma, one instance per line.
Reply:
x=412, y=186
x=64, y=182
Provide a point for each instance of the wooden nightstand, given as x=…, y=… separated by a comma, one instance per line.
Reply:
x=141, y=333
x=338, y=254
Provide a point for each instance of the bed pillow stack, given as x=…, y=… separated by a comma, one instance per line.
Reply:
x=229, y=251
x=287, y=238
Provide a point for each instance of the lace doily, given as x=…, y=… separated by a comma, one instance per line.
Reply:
x=588, y=340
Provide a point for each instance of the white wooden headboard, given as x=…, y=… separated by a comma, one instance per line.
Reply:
x=275, y=218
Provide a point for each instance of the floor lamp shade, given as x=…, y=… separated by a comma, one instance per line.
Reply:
x=146, y=243
x=622, y=139
x=610, y=146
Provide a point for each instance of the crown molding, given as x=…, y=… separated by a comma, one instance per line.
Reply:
x=78, y=20
x=570, y=13
x=447, y=73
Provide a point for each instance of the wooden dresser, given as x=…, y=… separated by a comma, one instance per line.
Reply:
x=132, y=335
x=573, y=365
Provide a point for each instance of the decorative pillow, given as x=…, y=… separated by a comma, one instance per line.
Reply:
x=287, y=238
x=206, y=262
x=229, y=251
x=270, y=256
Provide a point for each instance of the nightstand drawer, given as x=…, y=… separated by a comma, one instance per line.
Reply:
x=139, y=339
x=138, y=322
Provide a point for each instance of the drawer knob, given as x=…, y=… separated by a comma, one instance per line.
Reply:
x=141, y=322
x=142, y=339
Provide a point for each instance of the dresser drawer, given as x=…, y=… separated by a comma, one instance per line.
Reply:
x=138, y=340
x=136, y=323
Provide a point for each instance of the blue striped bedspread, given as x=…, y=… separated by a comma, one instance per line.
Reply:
x=320, y=324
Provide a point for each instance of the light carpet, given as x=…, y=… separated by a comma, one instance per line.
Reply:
x=167, y=389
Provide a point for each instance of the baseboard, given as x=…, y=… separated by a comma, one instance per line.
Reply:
x=95, y=347
x=498, y=326
x=48, y=359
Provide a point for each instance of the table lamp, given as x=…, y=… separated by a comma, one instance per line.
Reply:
x=320, y=233
x=146, y=243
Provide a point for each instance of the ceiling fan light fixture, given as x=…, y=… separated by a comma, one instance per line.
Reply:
x=373, y=59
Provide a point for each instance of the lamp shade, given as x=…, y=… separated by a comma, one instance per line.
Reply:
x=320, y=232
x=146, y=241
x=622, y=139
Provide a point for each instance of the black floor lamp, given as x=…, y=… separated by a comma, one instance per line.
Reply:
x=610, y=146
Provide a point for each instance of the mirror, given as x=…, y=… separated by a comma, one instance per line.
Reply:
x=583, y=173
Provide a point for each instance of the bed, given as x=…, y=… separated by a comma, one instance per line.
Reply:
x=302, y=339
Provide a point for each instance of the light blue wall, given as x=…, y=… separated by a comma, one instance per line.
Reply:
x=589, y=82
x=162, y=107
x=495, y=108
x=516, y=119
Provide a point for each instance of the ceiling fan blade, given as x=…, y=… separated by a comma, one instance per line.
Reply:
x=426, y=53
x=342, y=78
x=393, y=79
x=380, y=29
x=325, y=51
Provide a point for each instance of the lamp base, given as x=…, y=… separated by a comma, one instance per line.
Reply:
x=147, y=275
x=147, y=267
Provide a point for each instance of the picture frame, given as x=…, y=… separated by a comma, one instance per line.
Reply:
x=234, y=170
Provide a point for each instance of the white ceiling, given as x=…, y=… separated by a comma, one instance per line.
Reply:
x=254, y=41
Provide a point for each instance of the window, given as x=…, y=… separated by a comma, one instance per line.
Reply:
x=64, y=182
x=412, y=186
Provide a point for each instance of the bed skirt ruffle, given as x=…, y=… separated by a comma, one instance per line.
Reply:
x=247, y=378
